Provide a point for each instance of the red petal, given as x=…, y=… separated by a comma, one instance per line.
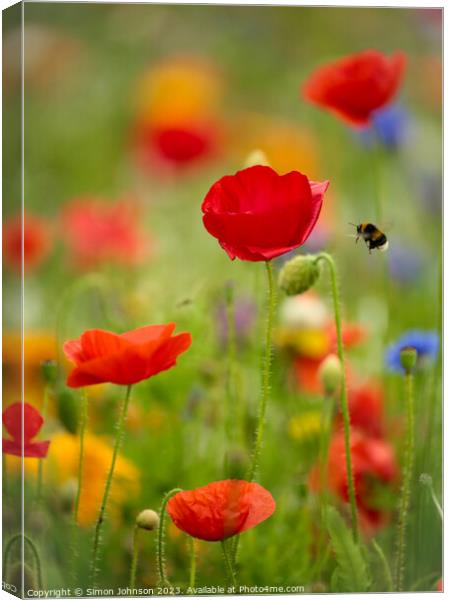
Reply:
x=12, y=420
x=134, y=363
x=221, y=509
x=149, y=333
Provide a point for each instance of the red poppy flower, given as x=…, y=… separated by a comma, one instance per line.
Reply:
x=356, y=85
x=373, y=463
x=98, y=231
x=102, y=356
x=36, y=242
x=257, y=214
x=221, y=509
x=439, y=585
x=32, y=423
x=179, y=145
x=366, y=409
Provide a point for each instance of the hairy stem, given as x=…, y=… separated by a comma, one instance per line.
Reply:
x=344, y=392
x=192, y=573
x=40, y=468
x=107, y=489
x=266, y=375
x=229, y=566
x=160, y=547
x=135, y=556
x=406, y=484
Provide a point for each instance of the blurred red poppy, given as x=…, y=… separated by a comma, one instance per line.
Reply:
x=32, y=423
x=103, y=356
x=178, y=145
x=257, y=214
x=373, y=463
x=36, y=242
x=366, y=408
x=357, y=85
x=439, y=585
x=221, y=509
x=98, y=231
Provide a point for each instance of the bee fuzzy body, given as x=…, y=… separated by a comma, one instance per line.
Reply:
x=372, y=236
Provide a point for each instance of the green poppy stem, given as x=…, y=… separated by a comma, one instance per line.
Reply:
x=82, y=430
x=229, y=565
x=266, y=375
x=135, y=556
x=192, y=574
x=99, y=525
x=160, y=542
x=404, y=502
x=344, y=392
x=40, y=468
x=230, y=420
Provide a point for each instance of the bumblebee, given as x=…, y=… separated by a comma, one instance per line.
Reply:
x=372, y=236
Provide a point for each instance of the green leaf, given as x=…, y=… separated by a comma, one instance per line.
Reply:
x=351, y=574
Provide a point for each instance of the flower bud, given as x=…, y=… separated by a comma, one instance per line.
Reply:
x=330, y=374
x=49, y=370
x=256, y=157
x=299, y=274
x=148, y=519
x=67, y=406
x=408, y=357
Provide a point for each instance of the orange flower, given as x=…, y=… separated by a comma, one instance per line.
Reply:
x=221, y=509
x=103, y=356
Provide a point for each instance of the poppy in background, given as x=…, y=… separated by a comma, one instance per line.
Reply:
x=175, y=144
x=373, y=465
x=32, y=424
x=97, y=231
x=178, y=122
x=221, y=509
x=257, y=214
x=37, y=242
x=106, y=357
x=357, y=85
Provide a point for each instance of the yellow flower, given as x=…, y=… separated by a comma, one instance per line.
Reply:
x=304, y=426
x=180, y=89
x=61, y=468
x=287, y=147
x=312, y=343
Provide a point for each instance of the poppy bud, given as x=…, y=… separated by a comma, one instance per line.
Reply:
x=408, y=358
x=148, y=519
x=68, y=409
x=49, y=370
x=330, y=374
x=257, y=157
x=299, y=274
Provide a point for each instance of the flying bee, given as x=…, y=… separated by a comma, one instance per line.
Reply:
x=372, y=236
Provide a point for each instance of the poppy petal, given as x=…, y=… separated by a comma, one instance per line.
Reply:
x=12, y=420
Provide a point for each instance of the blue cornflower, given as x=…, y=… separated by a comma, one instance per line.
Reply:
x=426, y=343
x=389, y=126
